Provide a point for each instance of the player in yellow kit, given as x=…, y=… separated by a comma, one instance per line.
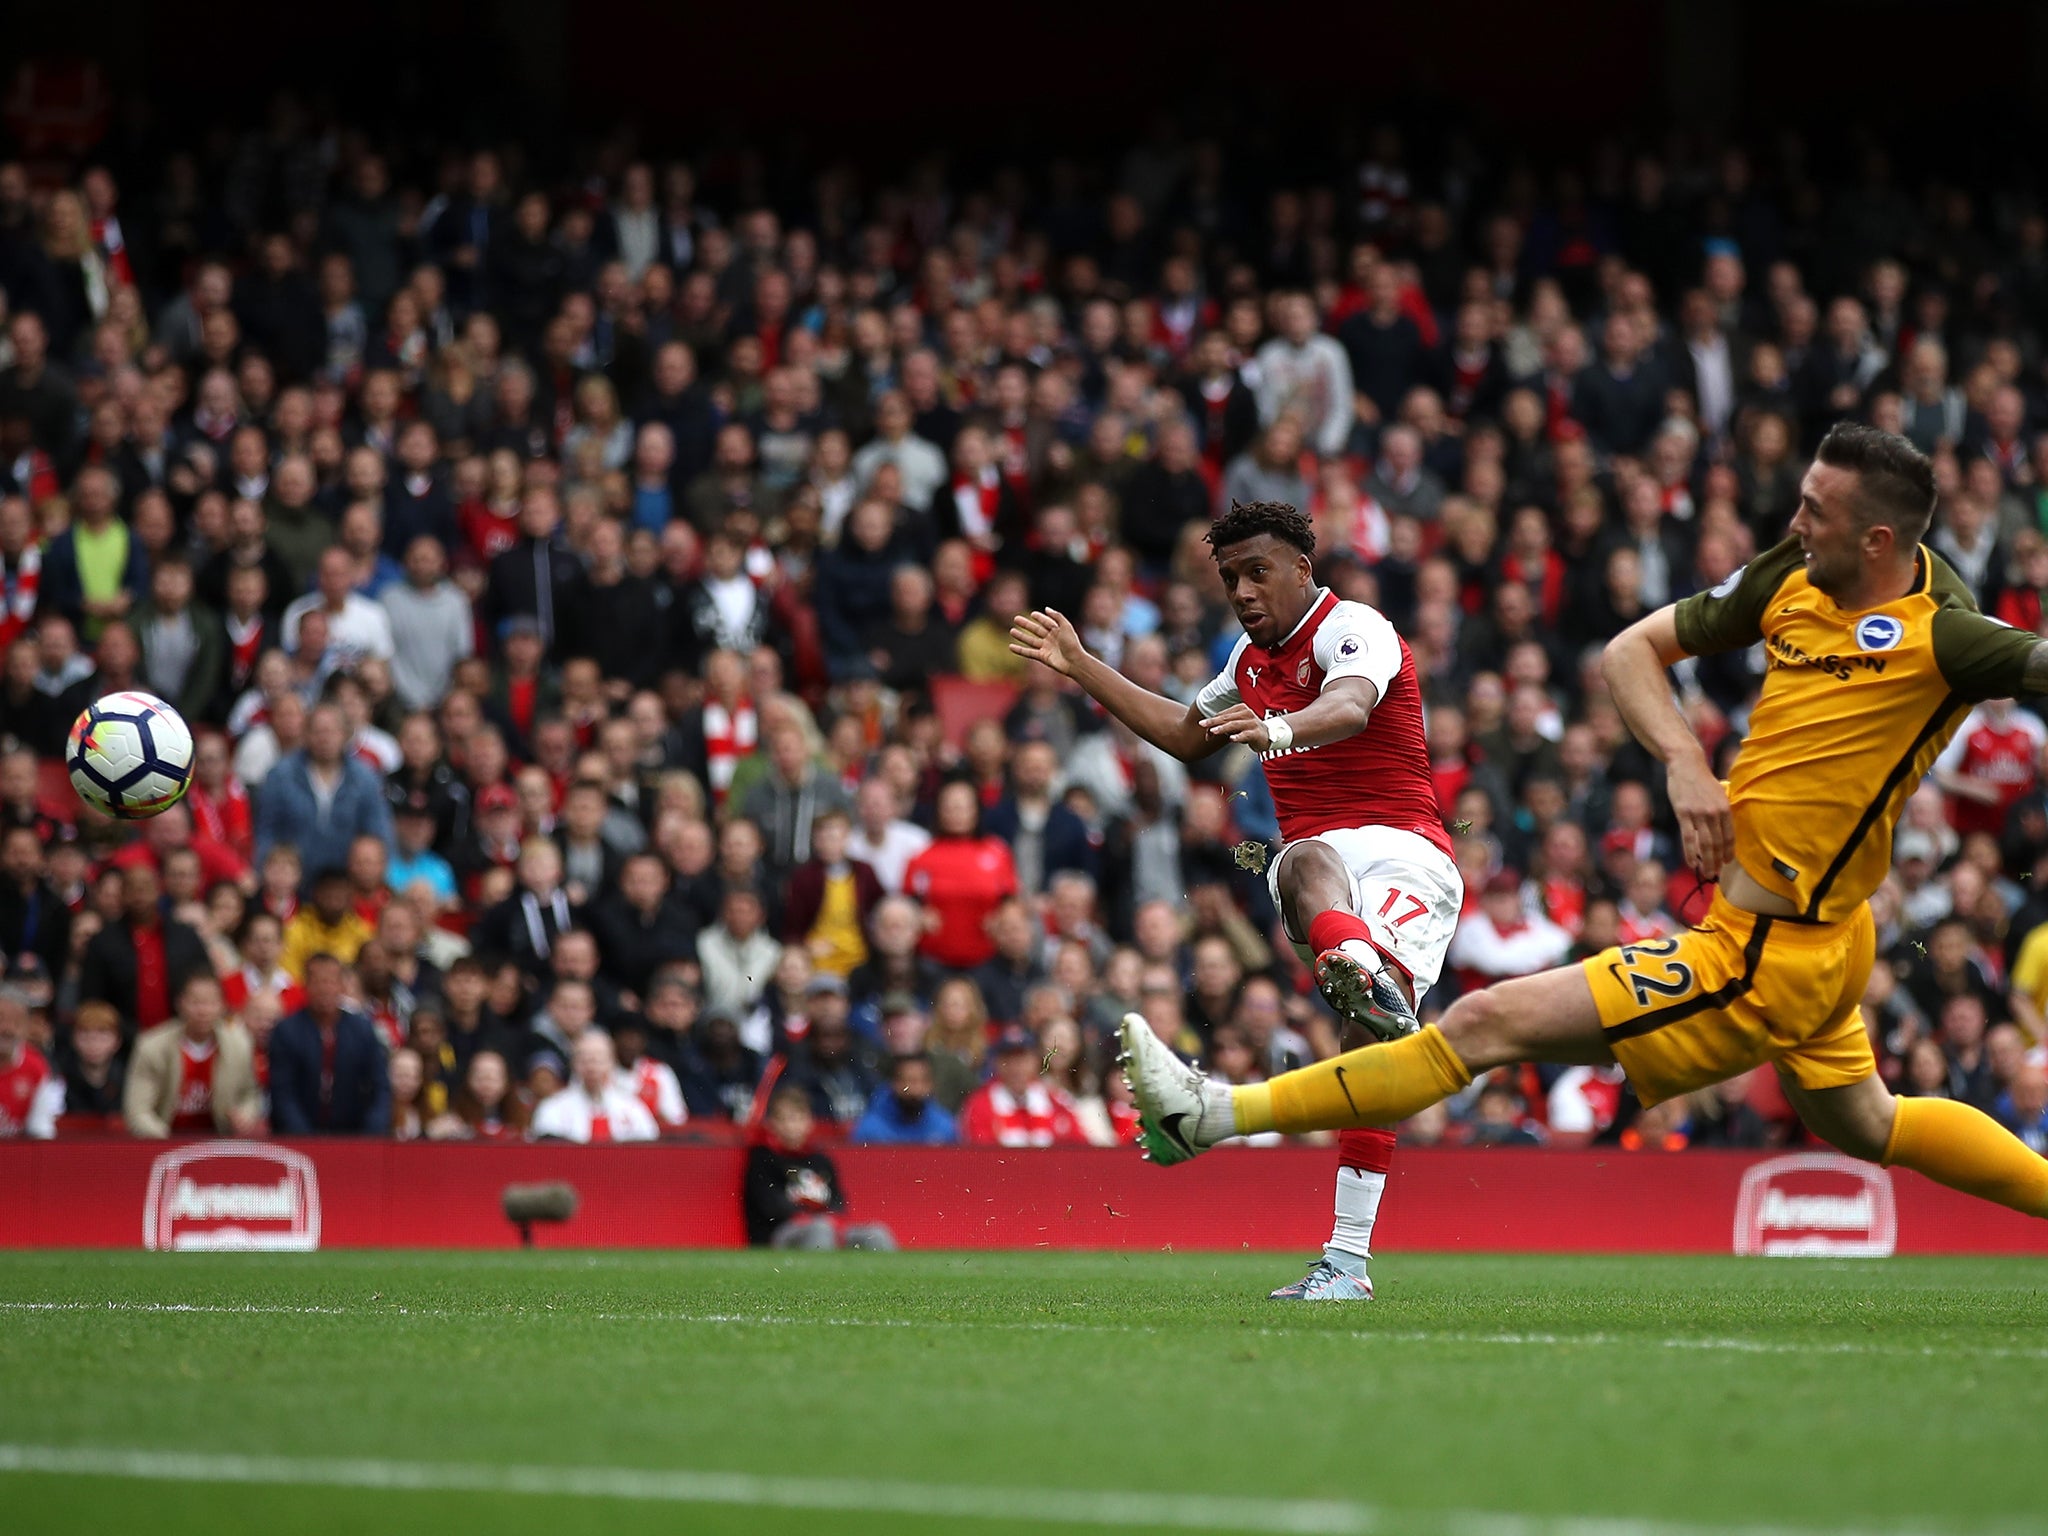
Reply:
x=1876, y=650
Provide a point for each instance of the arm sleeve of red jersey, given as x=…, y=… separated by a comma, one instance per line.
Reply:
x=1357, y=641
x=1220, y=692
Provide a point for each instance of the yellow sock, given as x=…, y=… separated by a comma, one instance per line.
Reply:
x=1379, y=1085
x=1966, y=1149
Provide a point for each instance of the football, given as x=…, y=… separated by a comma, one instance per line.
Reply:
x=130, y=755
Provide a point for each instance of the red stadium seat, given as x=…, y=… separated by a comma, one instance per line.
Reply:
x=55, y=797
x=959, y=704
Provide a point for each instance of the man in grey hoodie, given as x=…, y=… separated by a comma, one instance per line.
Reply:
x=431, y=625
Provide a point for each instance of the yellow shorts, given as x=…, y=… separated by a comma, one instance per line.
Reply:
x=1739, y=990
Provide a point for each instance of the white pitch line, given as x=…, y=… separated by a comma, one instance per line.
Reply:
x=946, y=1501
x=1944, y=1351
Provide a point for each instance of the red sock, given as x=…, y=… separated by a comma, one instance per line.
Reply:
x=1370, y=1149
x=1329, y=929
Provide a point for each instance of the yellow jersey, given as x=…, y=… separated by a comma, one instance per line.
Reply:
x=1855, y=707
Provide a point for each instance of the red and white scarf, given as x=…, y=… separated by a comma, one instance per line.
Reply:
x=977, y=501
x=21, y=585
x=729, y=735
x=245, y=639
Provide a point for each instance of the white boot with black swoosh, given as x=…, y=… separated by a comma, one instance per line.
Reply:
x=1180, y=1112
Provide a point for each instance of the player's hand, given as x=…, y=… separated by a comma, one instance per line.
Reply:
x=1047, y=637
x=1706, y=825
x=1238, y=723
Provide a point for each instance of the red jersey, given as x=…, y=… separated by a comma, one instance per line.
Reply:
x=195, y=1087
x=962, y=880
x=655, y=1085
x=31, y=1096
x=1380, y=777
x=2000, y=752
x=237, y=987
x=1040, y=1117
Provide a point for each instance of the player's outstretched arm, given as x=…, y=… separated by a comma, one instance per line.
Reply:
x=1340, y=710
x=1048, y=637
x=1634, y=666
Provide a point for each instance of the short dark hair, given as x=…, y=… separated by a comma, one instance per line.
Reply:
x=904, y=1059
x=1249, y=519
x=1895, y=479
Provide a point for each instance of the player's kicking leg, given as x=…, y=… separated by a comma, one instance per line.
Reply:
x=1316, y=892
x=1549, y=1017
x=1374, y=972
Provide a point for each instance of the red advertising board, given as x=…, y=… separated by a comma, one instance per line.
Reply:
x=360, y=1194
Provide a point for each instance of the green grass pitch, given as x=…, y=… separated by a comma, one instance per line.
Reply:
x=553, y=1392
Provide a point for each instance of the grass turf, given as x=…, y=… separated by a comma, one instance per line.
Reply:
x=1700, y=1392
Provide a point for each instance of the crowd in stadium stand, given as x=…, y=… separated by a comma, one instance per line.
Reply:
x=593, y=595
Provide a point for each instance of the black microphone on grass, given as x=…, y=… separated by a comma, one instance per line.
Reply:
x=527, y=1203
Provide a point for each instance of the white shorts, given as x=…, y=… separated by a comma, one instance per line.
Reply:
x=1405, y=887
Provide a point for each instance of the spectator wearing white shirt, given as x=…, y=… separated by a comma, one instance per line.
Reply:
x=738, y=956
x=921, y=464
x=881, y=839
x=1504, y=938
x=357, y=626
x=597, y=1105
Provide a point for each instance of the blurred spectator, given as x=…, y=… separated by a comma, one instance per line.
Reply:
x=1018, y=1107
x=1499, y=1118
x=328, y=924
x=141, y=960
x=92, y=1065
x=327, y=1067
x=195, y=1073
x=526, y=924
x=1503, y=938
x=961, y=878
x=486, y=1105
x=791, y=1194
x=737, y=954
x=788, y=799
x=2023, y=1107
x=1044, y=837
x=827, y=1062
x=905, y=1115
x=320, y=799
x=831, y=897
x=595, y=1106
x=31, y=1094
x=430, y=625
x=33, y=917
x=880, y=838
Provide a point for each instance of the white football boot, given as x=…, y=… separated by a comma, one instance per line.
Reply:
x=1180, y=1112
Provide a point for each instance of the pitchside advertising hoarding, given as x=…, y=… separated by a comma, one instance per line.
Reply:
x=232, y=1195
x=264, y=1196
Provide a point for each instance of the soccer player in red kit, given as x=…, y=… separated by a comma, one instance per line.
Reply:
x=1326, y=693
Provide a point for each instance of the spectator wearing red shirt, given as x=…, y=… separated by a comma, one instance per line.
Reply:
x=961, y=879
x=219, y=805
x=1989, y=766
x=1018, y=1107
x=194, y=1074
x=31, y=1095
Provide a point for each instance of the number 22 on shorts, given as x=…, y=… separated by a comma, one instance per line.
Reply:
x=1673, y=978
